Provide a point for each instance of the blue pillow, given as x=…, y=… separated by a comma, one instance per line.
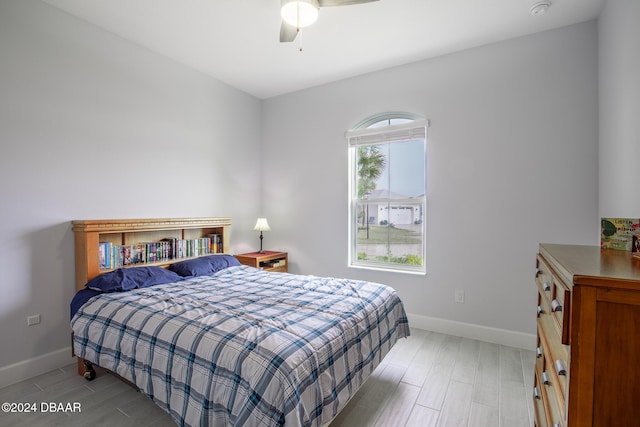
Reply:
x=125, y=279
x=203, y=266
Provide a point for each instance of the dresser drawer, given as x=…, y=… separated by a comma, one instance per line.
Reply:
x=553, y=360
x=544, y=277
x=552, y=414
x=560, y=308
x=539, y=354
x=555, y=297
x=544, y=305
x=540, y=411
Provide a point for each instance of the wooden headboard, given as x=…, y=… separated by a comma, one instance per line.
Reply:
x=89, y=234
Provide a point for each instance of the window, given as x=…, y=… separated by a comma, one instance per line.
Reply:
x=387, y=191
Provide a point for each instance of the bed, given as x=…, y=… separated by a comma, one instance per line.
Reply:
x=216, y=343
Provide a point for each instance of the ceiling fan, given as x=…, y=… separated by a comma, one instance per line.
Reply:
x=297, y=14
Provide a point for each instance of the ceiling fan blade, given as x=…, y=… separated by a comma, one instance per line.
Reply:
x=288, y=32
x=329, y=3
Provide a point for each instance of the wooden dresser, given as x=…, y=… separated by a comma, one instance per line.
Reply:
x=587, y=370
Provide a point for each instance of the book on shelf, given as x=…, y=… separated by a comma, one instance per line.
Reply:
x=168, y=249
x=215, y=243
x=276, y=263
x=104, y=255
x=273, y=263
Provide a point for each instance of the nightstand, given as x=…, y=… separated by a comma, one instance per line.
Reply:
x=267, y=260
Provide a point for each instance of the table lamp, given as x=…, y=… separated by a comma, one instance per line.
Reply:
x=261, y=225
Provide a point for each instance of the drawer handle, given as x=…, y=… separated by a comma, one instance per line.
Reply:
x=556, y=306
x=557, y=425
x=546, y=286
x=538, y=352
x=540, y=310
x=545, y=378
x=561, y=369
x=536, y=393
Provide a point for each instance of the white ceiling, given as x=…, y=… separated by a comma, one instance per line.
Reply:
x=237, y=41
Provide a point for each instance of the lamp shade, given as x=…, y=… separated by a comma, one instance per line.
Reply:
x=299, y=13
x=262, y=225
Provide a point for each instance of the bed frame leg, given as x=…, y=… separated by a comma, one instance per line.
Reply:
x=86, y=369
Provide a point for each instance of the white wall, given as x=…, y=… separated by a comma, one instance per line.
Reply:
x=619, y=78
x=92, y=126
x=512, y=161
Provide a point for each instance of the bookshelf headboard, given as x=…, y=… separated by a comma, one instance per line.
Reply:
x=94, y=235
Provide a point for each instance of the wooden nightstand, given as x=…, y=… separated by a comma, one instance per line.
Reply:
x=267, y=260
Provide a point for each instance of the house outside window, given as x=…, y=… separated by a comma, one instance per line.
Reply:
x=387, y=191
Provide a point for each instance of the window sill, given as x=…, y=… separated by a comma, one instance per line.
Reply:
x=416, y=272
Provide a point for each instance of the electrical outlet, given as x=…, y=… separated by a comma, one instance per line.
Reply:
x=33, y=320
x=458, y=296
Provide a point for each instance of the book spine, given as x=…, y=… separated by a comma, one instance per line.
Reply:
x=102, y=256
x=107, y=253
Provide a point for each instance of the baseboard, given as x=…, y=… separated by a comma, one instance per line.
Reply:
x=477, y=332
x=29, y=368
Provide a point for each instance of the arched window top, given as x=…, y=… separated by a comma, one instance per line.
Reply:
x=387, y=127
x=387, y=119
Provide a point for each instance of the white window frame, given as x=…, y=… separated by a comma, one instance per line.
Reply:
x=400, y=127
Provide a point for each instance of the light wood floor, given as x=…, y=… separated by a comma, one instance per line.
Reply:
x=429, y=379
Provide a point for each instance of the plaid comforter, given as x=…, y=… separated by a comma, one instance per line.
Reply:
x=244, y=346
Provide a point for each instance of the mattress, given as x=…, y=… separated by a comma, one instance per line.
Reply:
x=244, y=346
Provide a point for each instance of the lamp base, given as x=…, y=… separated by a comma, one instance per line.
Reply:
x=261, y=237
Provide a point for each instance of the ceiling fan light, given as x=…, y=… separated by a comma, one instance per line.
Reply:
x=299, y=13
